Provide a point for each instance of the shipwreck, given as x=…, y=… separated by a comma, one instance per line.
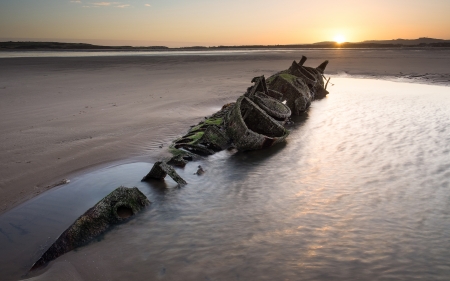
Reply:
x=255, y=121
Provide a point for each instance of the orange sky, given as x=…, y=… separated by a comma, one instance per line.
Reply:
x=177, y=23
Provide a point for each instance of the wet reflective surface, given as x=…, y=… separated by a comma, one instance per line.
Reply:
x=360, y=191
x=94, y=53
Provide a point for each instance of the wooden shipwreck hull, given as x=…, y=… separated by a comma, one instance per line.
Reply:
x=254, y=121
x=268, y=100
x=295, y=91
x=274, y=108
x=250, y=127
x=208, y=136
x=116, y=207
x=299, y=85
x=313, y=77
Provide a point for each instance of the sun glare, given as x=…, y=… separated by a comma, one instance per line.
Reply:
x=339, y=39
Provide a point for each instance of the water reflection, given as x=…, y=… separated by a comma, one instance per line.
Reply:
x=359, y=192
x=96, y=53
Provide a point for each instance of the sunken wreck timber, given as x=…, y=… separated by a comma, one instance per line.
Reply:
x=116, y=207
x=250, y=127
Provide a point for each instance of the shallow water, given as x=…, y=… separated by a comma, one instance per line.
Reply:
x=100, y=53
x=360, y=191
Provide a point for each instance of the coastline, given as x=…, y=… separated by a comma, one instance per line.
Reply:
x=63, y=116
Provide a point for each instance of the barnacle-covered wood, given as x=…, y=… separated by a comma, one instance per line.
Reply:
x=260, y=95
x=116, y=207
x=178, y=161
x=299, y=84
x=295, y=91
x=159, y=171
x=250, y=127
x=313, y=77
x=215, y=138
x=273, y=107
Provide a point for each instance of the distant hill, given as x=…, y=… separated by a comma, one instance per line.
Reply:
x=408, y=42
x=324, y=43
x=25, y=45
x=404, y=42
x=396, y=43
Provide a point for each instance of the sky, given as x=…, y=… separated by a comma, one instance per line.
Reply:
x=177, y=23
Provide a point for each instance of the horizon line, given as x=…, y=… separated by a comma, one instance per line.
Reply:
x=188, y=44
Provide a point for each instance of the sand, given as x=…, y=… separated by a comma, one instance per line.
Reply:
x=60, y=117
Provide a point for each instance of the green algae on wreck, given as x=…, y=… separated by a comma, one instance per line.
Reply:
x=288, y=77
x=194, y=137
x=116, y=207
x=207, y=137
x=300, y=85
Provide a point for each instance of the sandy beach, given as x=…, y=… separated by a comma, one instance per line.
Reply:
x=63, y=116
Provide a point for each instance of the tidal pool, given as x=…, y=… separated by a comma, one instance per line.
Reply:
x=360, y=191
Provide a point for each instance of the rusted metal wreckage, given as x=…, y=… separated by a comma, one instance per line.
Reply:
x=255, y=121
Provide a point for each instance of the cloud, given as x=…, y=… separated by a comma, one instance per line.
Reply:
x=147, y=5
x=75, y=1
x=105, y=4
x=102, y=3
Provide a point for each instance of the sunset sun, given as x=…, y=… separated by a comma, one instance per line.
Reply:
x=339, y=39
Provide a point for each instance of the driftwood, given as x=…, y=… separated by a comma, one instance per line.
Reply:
x=116, y=207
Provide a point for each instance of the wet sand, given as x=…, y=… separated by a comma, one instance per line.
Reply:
x=62, y=116
x=359, y=191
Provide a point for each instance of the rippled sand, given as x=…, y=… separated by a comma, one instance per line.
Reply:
x=358, y=192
